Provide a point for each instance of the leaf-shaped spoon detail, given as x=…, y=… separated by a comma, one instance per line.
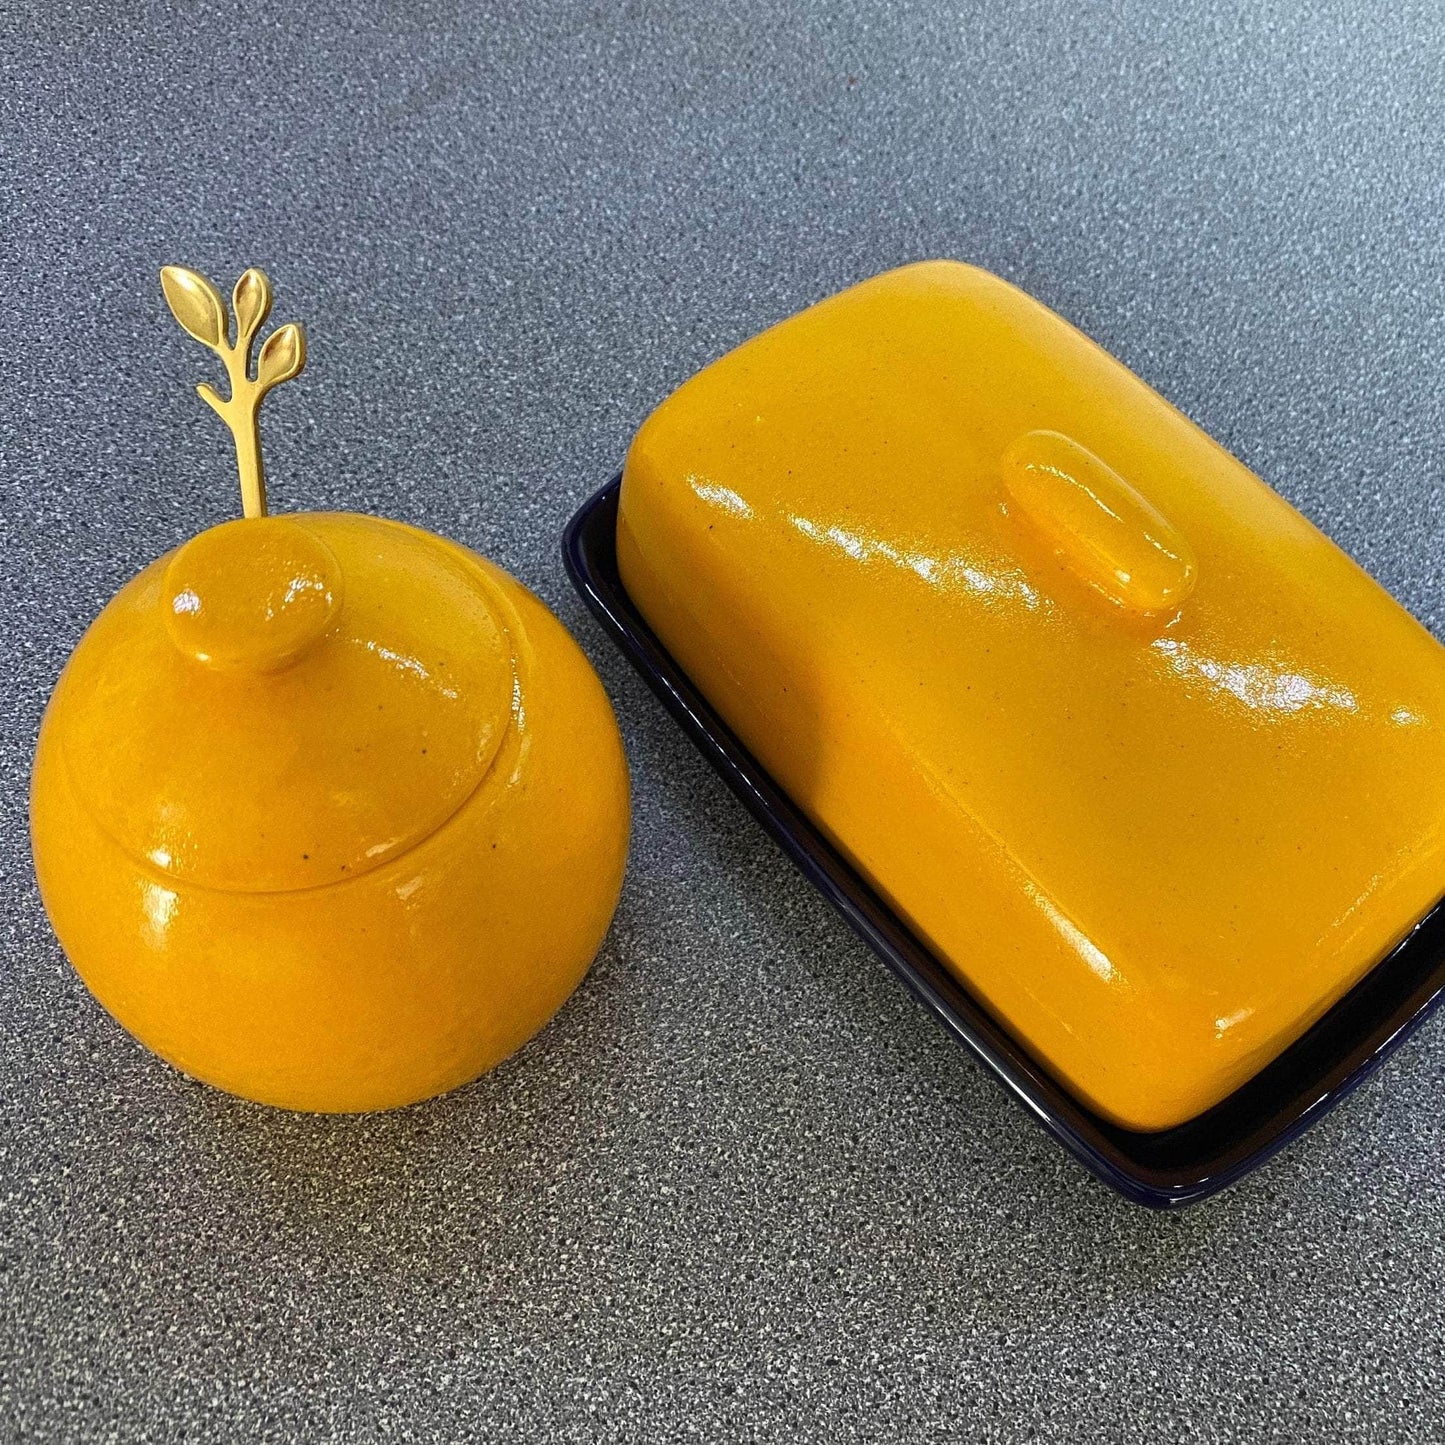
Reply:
x=198, y=306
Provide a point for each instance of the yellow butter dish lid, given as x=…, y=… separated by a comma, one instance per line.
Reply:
x=1146, y=760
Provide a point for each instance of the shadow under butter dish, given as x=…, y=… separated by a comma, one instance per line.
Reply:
x=351, y=844
x=1142, y=756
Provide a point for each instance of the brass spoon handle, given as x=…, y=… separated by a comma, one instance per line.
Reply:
x=200, y=309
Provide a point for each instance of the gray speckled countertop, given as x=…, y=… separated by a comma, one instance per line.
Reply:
x=742, y=1188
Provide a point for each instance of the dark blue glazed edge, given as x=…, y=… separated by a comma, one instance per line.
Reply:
x=1163, y=1170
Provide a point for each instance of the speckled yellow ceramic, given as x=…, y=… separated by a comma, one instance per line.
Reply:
x=1148, y=761
x=329, y=811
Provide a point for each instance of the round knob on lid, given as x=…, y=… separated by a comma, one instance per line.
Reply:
x=251, y=595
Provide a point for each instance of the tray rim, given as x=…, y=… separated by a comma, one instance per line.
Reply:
x=1163, y=1170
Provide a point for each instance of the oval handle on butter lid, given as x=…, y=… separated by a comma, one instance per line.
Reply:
x=1105, y=531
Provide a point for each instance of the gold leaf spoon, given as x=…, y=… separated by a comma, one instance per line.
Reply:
x=198, y=306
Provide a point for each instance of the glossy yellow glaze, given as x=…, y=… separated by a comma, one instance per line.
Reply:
x=1149, y=761
x=329, y=812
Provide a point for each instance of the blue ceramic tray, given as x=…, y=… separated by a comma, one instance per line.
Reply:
x=1176, y=1166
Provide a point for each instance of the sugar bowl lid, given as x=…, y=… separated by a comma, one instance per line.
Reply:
x=285, y=702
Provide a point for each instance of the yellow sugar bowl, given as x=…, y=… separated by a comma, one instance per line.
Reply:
x=328, y=811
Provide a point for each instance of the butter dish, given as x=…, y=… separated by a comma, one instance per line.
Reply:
x=1131, y=772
